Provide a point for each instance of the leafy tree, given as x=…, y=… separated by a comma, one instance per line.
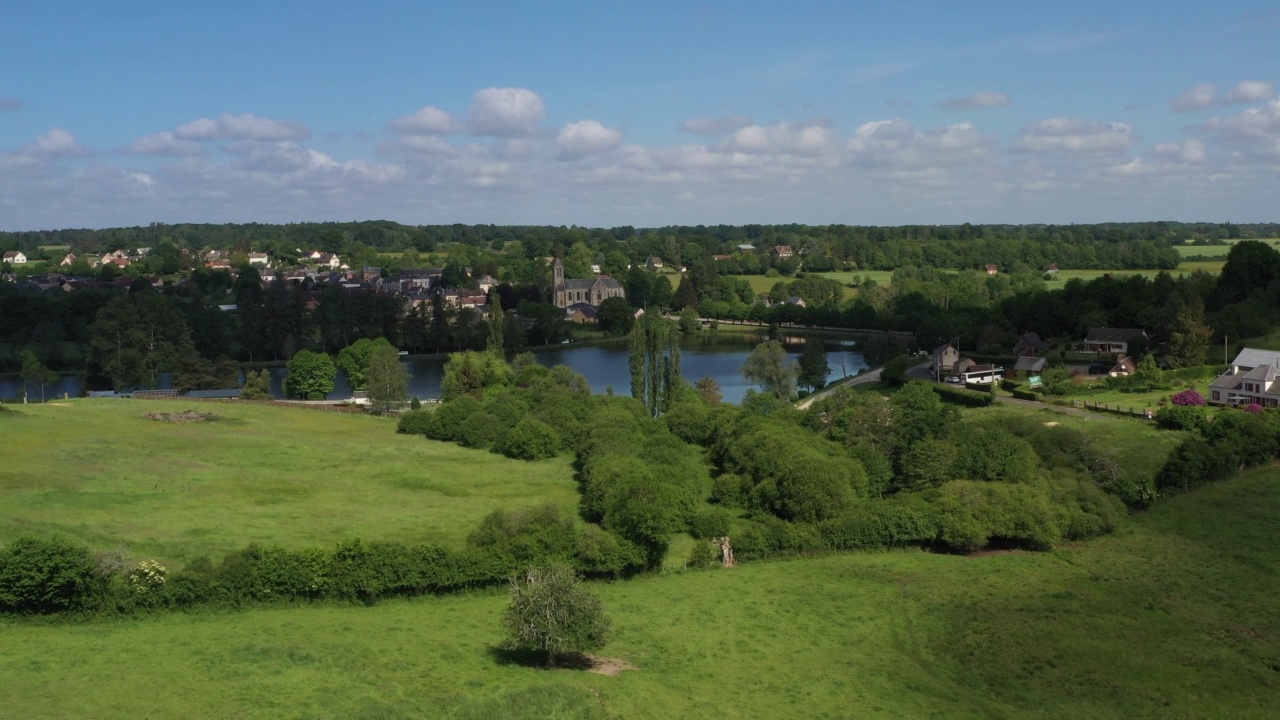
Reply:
x=615, y=316
x=387, y=379
x=654, y=363
x=471, y=373
x=135, y=337
x=709, y=389
x=35, y=373
x=354, y=360
x=1147, y=375
x=689, y=321
x=767, y=366
x=310, y=375
x=551, y=612
x=1190, y=338
x=495, y=340
x=257, y=386
x=813, y=365
x=660, y=293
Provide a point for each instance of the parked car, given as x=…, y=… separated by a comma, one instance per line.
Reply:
x=953, y=379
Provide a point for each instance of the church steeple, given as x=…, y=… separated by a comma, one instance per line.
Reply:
x=559, y=296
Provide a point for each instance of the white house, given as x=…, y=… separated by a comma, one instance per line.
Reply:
x=259, y=258
x=1251, y=379
x=15, y=257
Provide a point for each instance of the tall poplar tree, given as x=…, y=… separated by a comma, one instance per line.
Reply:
x=654, y=362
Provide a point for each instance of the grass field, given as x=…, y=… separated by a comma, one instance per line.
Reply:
x=1172, y=617
x=1186, y=267
x=97, y=472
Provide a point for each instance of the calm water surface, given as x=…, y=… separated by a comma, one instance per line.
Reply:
x=604, y=365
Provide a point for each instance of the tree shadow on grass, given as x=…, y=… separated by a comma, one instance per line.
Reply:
x=536, y=659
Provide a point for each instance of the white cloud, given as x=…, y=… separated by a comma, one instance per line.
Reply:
x=10, y=104
x=716, y=126
x=1250, y=91
x=163, y=144
x=810, y=138
x=1073, y=135
x=580, y=139
x=1255, y=130
x=57, y=143
x=505, y=112
x=241, y=127
x=1197, y=97
x=427, y=121
x=1190, y=150
x=977, y=101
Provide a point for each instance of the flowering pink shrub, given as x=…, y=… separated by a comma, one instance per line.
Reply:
x=1254, y=408
x=1188, y=397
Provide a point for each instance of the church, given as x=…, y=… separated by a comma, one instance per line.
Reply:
x=591, y=291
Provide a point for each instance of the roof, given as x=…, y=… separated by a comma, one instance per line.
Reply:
x=1034, y=341
x=575, y=284
x=1253, y=357
x=942, y=348
x=586, y=309
x=1113, y=334
x=1027, y=363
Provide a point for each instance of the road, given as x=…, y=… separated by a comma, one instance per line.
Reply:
x=924, y=372
x=867, y=377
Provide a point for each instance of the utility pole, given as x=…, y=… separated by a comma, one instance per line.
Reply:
x=1224, y=349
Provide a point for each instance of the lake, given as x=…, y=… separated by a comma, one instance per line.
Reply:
x=719, y=355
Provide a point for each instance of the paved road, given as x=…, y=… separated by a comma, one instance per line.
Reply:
x=867, y=377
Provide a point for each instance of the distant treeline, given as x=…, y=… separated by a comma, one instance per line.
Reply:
x=818, y=247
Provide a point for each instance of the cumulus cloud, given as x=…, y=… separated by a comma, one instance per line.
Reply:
x=427, y=121
x=809, y=138
x=1255, y=130
x=716, y=126
x=162, y=144
x=1074, y=136
x=1197, y=97
x=580, y=139
x=505, y=112
x=57, y=143
x=1190, y=150
x=977, y=101
x=242, y=127
x=10, y=104
x=1250, y=91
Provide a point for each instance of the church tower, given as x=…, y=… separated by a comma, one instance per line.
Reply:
x=559, y=296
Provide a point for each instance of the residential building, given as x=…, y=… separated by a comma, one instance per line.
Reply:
x=1113, y=340
x=1251, y=380
x=992, y=269
x=945, y=358
x=258, y=258
x=1029, y=344
x=15, y=257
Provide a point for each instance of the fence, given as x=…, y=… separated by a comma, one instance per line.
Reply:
x=276, y=403
x=1113, y=409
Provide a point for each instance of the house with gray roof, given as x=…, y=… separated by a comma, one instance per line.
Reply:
x=1250, y=380
x=1113, y=340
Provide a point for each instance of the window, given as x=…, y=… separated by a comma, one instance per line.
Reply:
x=1217, y=395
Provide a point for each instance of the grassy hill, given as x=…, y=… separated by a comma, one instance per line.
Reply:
x=1171, y=617
x=100, y=473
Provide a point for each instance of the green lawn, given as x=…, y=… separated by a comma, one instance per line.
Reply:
x=1185, y=268
x=97, y=472
x=1171, y=617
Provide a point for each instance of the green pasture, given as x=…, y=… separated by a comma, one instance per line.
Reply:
x=882, y=277
x=1171, y=617
x=1186, y=267
x=1216, y=251
x=97, y=472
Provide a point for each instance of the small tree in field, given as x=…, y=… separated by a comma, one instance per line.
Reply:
x=551, y=612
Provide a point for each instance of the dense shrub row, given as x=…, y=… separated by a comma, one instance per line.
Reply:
x=1233, y=441
x=638, y=478
x=52, y=576
x=529, y=412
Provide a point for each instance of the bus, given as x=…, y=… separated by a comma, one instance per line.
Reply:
x=982, y=376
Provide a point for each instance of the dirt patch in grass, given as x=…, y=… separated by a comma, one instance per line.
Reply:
x=608, y=666
x=189, y=416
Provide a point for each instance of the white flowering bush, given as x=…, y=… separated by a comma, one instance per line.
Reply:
x=149, y=575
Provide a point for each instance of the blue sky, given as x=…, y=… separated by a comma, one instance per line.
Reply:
x=643, y=114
